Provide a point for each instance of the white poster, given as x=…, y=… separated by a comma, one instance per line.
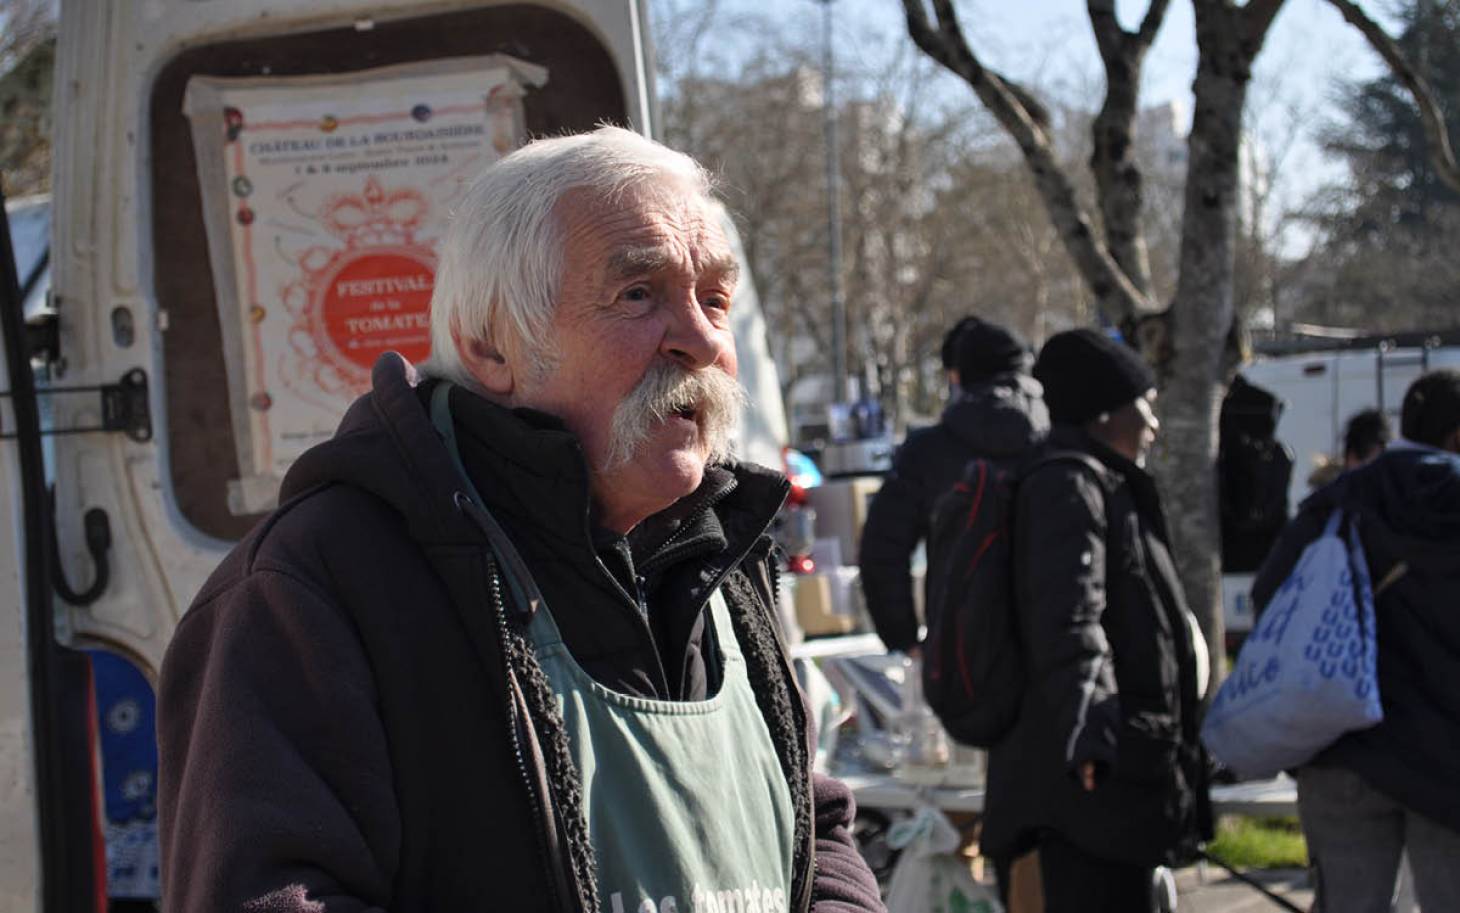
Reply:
x=323, y=198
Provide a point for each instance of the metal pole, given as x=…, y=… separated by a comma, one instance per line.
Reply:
x=834, y=213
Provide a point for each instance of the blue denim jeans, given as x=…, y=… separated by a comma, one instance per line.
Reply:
x=1356, y=835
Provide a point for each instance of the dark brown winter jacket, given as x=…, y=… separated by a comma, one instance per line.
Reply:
x=350, y=718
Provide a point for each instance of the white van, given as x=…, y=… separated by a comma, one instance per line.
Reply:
x=140, y=409
x=1320, y=392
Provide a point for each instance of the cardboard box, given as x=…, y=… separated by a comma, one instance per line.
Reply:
x=816, y=607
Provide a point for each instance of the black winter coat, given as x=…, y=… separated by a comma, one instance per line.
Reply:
x=1110, y=670
x=350, y=720
x=1000, y=420
x=1408, y=507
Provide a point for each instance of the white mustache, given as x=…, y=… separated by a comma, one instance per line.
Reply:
x=666, y=389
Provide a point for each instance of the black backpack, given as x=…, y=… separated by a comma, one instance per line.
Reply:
x=973, y=663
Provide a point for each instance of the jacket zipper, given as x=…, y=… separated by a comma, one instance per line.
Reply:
x=559, y=878
x=772, y=564
x=665, y=555
x=641, y=600
x=499, y=607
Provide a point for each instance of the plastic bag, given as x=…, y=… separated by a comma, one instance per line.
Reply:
x=930, y=876
x=1308, y=673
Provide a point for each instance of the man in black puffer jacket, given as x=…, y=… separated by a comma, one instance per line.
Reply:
x=1395, y=786
x=1102, y=773
x=998, y=414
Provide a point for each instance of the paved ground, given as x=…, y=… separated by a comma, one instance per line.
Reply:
x=1221, y=893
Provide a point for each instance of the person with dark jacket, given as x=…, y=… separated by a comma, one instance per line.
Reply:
x=509, y=642
x=996, y=414
x=1102, y=773
x=1254, y=471
x=1395, y=787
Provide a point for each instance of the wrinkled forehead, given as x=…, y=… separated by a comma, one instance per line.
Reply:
x=644, y=227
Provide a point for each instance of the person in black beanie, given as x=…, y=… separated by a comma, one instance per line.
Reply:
x=1103, y=772
x=997, y=414
x=1086, y=374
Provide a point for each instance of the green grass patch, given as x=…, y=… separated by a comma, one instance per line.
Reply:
x=1260, y=843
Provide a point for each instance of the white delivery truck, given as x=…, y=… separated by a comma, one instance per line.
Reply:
x=1321, y=390
x=245, y=198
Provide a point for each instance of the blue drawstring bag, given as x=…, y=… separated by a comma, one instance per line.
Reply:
x=1308, y=673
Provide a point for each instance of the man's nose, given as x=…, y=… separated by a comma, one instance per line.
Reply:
x=693, y=340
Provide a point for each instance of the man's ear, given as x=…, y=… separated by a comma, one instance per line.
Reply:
x=487, y=363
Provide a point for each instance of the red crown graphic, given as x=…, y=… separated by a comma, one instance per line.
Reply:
x=375, y=217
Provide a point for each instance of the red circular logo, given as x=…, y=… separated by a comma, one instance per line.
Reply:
x=378, y=301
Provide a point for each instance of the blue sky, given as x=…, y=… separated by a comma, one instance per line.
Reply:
x=1047, y=43
x=1046, y=40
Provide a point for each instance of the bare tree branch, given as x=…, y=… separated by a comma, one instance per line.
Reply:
x=1118, y=296
x=1150, y=25
x=952, y=34
x=1112, y=38
x=1109, y=36
x=1112, y=157
x=1441, y=152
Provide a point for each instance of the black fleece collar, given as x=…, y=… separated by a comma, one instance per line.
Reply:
x=550, y=486
x=630, y=607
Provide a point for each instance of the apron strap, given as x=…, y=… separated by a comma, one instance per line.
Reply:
x=725, y=637
x=511, y=566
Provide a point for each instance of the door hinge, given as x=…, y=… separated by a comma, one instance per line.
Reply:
x=124, y=407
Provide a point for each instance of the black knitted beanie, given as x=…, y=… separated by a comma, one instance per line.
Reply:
x=1086, y=373
x=986, y=350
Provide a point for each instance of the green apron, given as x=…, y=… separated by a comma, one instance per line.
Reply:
x=686, y=805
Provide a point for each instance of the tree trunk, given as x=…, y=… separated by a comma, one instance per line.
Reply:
x=1201, y=317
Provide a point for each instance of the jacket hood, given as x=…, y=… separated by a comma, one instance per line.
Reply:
x=1411, y=493
x=386, y=445
x=1001, y=418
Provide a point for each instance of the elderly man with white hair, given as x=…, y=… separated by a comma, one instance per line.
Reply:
x=509, y=643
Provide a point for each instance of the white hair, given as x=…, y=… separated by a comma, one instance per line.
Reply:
x=500, y=262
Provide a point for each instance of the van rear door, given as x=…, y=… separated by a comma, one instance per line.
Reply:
x=137, y=287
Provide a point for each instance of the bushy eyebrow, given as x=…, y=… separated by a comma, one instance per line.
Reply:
x=726, y=267
x=639, y=261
